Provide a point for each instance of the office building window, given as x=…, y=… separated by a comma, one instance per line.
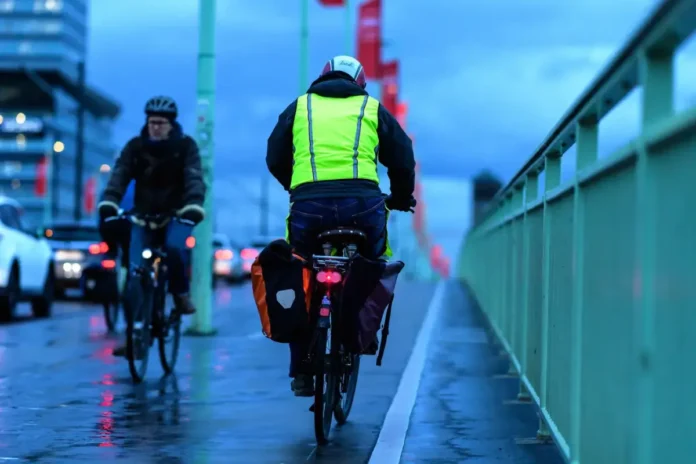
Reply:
x=7, y=5
x=52, y=6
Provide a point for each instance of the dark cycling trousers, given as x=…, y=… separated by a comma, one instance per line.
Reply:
x=309, y=218
x=173, y=236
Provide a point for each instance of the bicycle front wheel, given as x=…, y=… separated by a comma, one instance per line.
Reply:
x=138, y=334
x=111, y=310
x=325, y=388
x=168, y=335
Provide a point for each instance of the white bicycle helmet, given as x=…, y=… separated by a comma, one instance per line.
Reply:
x=347, y=65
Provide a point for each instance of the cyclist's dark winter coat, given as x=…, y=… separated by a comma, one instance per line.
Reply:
x=168, y=174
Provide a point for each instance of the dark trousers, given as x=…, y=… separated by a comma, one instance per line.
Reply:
x=309, y=218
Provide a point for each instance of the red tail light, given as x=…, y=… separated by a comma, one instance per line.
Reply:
x=108, y=264
x=98, y=248
x=329, y=277
x=224, y=255
x=249, y=253
x=190, y=241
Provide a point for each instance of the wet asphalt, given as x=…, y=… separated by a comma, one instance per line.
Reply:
x=65, y=399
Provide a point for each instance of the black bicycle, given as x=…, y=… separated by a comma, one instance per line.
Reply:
x=336, y=369
x=145, y=306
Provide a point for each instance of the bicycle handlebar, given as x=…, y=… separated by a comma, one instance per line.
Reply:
x=153, y=220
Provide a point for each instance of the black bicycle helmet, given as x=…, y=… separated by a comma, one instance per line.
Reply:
x=161, y=106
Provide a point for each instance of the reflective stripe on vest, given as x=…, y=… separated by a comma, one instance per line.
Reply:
x=335, y=139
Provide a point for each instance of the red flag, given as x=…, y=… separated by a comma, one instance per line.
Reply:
x=370, y=37
x=332, y=2
x=390, y=85
x=40, y=186
x=401, y=112
x=90, y=194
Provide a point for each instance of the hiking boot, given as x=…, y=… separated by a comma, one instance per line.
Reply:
x=183, y=304
x=303, y=385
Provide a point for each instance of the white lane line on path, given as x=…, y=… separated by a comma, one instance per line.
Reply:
x=390, y=442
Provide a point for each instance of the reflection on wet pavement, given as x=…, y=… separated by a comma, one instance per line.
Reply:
x=65, y=398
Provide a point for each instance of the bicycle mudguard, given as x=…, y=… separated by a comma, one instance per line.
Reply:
x=385, y=333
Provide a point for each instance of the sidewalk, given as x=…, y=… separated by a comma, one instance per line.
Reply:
x=466, y=409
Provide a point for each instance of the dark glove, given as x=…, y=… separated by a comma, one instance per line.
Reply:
x=107, y=209
x=193, y=213
x=401, y=204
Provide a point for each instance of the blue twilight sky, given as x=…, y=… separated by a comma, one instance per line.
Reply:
x=485, y=80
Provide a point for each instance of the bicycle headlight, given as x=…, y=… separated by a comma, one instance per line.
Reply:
x=147, y=253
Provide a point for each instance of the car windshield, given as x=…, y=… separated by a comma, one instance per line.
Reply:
x=73, y=233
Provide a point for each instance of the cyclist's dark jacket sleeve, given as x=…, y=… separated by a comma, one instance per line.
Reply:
x=194, y=186
x=396, y=154
x=279, y=151
x=122, y=174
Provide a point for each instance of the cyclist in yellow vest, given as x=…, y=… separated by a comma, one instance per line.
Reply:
x=324, y=151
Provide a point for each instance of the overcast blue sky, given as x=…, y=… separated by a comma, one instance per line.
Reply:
x=485, y=80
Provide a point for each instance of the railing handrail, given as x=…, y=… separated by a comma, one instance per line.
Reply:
x=670, y=23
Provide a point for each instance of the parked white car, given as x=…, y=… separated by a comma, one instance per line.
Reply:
x=26, y=264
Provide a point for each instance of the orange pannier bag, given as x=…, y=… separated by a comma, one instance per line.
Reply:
x=282, y=286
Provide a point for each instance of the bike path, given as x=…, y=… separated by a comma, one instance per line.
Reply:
x=65, y=399
x=466, y=409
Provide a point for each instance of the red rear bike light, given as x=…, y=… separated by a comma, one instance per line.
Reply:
x=329, y=277
x=190, y=242
x=108, y=264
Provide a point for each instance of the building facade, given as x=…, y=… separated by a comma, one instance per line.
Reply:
x=46, y=110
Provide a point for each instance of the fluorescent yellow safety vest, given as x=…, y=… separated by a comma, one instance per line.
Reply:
x=335, y=139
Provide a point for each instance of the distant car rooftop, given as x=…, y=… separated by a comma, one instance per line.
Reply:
x=67, y=224
x=262, y=241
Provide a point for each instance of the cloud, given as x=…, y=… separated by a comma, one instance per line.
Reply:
x=485, y=81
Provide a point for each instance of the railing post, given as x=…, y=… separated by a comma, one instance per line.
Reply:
x=531, y=193
x=552, y=173
x=516, y=202
x=656, y=72
x=587, y=143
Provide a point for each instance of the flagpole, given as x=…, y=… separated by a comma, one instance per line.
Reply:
x=304, y=44
x=349, y=28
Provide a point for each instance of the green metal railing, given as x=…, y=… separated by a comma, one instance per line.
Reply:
x=590, y=284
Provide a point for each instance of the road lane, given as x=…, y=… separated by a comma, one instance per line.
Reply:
x=64, y=398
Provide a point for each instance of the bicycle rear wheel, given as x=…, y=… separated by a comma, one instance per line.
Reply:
x=138, y=332
x=325, y=388
x=168, y=334
x=348, y=384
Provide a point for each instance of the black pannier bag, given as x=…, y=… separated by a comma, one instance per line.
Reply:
x=282, y=286
x=367, y=293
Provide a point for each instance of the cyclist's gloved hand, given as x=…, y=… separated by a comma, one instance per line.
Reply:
x=401, y=203
x=107, y=209
x=193, y=213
